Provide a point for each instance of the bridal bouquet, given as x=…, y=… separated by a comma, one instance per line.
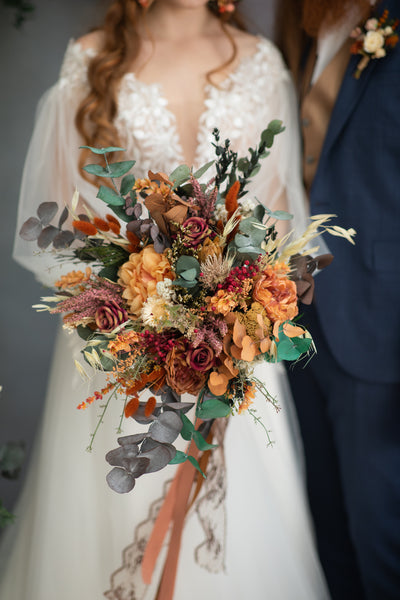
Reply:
x=186, y=298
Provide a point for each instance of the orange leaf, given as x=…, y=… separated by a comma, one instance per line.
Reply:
x=292, y=330
x=217, y=383
x=249, y=349
x=239, y=332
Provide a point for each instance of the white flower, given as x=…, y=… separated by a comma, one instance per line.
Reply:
x=388, y=30
x=371, y=24
x=380, y=53
x=247, y=206
x=221, y=213
x=373, y=41
x=166, y=289
x=153, y=310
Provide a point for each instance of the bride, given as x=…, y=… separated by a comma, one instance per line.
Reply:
x=156, y=79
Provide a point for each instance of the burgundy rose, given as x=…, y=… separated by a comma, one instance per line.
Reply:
x=196, y=231
x=201, y=358
x=110, y=315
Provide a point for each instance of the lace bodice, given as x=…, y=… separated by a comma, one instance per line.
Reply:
x=257, y=91
x=241, y=107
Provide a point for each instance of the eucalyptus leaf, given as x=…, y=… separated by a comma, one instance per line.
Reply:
x=201, y=442
x=180, y=175
x=120, y=481
x=212, y=409
x=121, y=214
x=135, y=438
x=166, y=428
x=250, y=250
x=281, y=215
x=159, y=457
x=63, y=240
x=180, y=457
x=63, y=217
x=185, y=263
x=97, y=170
x=104, y=150
x=242, y=241
x=110, y=196
x=259, y=212
x=31, y=229
x=127, y=184
x=185, y=284
x=119, y=169
x=116, y=457
x=46, y=211
x=200, y=172
x=189, y=275
x=196, y=464
x=47, y=236
x=187, y=429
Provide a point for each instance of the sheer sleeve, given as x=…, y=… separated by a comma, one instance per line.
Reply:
x=51, y=171
x=278, y=185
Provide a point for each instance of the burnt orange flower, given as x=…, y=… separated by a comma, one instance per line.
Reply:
x=223, y=302
x=140, y=275
x=73, y=278
x=276, y=293
x=180, y=377
x=209, y=248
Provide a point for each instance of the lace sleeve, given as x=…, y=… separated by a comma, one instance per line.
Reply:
x=51, y=170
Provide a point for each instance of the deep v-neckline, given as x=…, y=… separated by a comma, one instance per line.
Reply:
x=208, y=89
x=130, y=79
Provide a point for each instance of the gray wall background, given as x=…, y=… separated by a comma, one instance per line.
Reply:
x=30, y=59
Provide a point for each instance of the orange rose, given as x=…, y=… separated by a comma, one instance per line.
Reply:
x=140, y=275
x=277, y=294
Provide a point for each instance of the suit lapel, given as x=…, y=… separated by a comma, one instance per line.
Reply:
x=349, y=95
x=352, y=89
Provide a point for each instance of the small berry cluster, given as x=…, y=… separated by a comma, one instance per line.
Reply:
x=158, y=344
x=233, y=283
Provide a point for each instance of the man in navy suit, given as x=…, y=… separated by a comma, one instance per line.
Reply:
x=348, y=396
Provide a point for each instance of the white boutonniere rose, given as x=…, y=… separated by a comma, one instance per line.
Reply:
x=373, y=41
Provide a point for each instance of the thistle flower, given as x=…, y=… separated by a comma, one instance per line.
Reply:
x=215, y=269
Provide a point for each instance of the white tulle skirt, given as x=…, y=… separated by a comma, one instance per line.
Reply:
x=71, y=529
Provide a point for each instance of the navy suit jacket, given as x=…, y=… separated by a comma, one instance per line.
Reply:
x=358, y=178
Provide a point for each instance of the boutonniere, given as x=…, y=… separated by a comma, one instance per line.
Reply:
x=374, y=39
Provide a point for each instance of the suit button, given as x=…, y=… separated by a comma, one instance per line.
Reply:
x=310, y=159
x=305, y=122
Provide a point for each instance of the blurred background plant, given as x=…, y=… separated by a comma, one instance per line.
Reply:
x=22, y=10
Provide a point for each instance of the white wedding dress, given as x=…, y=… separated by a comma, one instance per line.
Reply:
x=71, y=530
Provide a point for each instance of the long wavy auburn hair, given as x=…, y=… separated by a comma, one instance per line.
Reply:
x=120, y=47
